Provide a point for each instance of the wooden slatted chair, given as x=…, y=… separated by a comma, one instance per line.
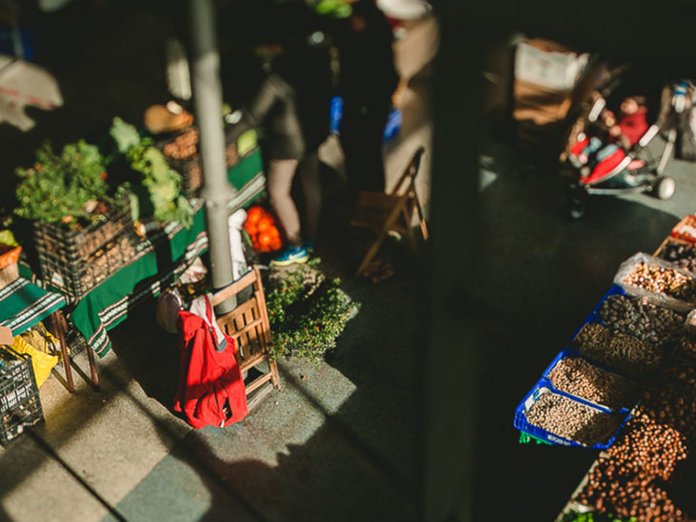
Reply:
x=248, y=325
x=383, y=213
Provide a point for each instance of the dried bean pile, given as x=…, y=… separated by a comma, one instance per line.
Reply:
x=578, y=377
x=642, y=319
x=571, y=420
x=623, y=481
x=681, y=254
x=662, y=281
x=617, y=350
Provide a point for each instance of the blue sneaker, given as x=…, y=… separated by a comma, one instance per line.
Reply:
x=292, y=254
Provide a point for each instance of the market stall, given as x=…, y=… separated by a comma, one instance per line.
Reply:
x=158, y=260
x=624, y=385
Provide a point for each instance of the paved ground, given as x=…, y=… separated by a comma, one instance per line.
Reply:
x=342, y=443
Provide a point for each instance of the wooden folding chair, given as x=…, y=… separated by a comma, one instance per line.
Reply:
x=248, y=325
x=393, y=211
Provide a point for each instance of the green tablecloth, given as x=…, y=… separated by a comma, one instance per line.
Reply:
x=23, y=304
x=161, y=259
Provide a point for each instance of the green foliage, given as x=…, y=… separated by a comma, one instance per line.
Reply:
x=125, y=135
x=307, y=312
x=594, y=517
x=61, y=185
x=162, y=183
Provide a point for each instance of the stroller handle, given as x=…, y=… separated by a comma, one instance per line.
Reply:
x=648, y=136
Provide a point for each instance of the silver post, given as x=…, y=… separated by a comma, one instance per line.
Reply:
x=207, y=97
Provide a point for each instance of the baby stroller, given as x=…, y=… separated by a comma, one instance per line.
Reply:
x=626, y=169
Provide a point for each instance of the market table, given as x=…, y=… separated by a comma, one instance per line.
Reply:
x=24, y=304
x=160, y=259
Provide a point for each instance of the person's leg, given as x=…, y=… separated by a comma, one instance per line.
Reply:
x=311, y=189
x=279, y=180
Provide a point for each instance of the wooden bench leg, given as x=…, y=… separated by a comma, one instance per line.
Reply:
x=58, y=327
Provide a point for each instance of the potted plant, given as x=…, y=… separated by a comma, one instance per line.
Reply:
x=67, y=188
x=307, y=312
x=81, y=232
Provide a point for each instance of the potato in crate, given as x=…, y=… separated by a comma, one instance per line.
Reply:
x=76, y=260
x=20, y=405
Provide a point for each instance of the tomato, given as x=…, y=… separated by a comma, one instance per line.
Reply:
x=265, y=241
x=264, y=224
x=276, y=243
x=251, y=229
x=254, y=214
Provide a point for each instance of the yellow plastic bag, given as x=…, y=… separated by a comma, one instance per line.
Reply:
x=42, y=363
x=43, y=340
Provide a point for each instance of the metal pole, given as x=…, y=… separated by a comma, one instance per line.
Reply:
x=207, y=97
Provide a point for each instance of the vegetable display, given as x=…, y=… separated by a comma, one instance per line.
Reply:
x=158, y=193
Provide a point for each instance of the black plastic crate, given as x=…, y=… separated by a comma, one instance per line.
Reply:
x=20, y=405
x=75, y=261
x=75, y=279
x=78, y=244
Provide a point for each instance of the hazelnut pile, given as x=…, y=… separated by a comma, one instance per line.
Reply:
x=184, y=146
x=617, y=350
x=572, y=420
x=642, y=319
x=671, y=399
x=231, y=155
x=578, y=377
x=662, y=281
x=623, y=481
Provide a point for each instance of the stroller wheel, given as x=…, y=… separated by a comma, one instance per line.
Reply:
x=577, y=203
x=664, y=188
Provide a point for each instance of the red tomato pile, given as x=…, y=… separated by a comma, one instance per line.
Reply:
x=262, y=229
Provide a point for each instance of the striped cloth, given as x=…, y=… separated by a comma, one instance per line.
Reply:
x=23, y=304
x=160, y=260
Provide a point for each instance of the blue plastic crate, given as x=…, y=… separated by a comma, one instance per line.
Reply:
x=594, y=316
x=544, y=386
x=571, y=351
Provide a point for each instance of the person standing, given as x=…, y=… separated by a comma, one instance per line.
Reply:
x=291, y=106
x=367, y=80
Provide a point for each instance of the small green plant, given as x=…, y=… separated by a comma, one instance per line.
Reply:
x=158, y=193
x=307, y=312
x=62, y=187
x=594, y=517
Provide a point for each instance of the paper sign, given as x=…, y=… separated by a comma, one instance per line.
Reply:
x=5, y=335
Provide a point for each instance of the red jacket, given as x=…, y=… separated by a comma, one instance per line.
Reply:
x=211, y=390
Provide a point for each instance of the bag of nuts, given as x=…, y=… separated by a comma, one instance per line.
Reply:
x=658, y=280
